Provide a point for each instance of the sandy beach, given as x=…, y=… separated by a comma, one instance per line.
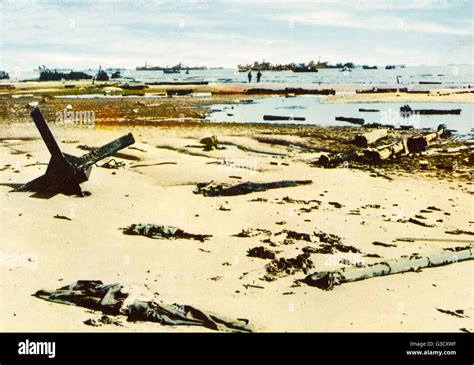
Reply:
x=360, y=204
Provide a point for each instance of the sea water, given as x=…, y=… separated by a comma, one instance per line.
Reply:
x=409, y=76
x=318, y=112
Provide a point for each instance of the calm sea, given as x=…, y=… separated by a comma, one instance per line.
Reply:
x=448, y=76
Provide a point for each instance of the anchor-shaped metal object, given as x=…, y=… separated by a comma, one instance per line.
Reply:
x=65, y=172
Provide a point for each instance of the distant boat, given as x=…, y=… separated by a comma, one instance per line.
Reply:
x=115, y=75
x=179, y=67
x=304, y=68
x=389, y=67
x=48, y=75
x=101, y=75
x=171, y=71
x=367, y=67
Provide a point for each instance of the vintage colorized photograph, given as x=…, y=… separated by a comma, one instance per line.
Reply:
x=236, y=166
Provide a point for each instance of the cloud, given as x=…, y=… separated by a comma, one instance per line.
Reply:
x=345, y=19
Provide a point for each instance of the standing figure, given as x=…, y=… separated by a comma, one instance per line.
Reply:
x=250, y=76
x=259, y=76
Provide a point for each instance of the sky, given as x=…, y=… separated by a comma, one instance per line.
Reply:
x=114, y=33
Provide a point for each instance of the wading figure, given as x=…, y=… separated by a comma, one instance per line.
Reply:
x=250, y=76
x=259, y=76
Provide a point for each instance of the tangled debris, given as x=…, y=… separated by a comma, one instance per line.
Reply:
x=214, y=189
x=295, y=235
x=113, y=164
x=162, y=232
x=102, y=320
x=114, y=299
x=332, y=242
x=288, y=266
x=252, y=232
x=261, y=252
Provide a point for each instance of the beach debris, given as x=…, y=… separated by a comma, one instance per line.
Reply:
x=372, y=255
x=377, y=243
x=413, y=263
x=418, y=144
x=57, y=216
x=378, y=90
x=246, y=286
x=293, y=235
x=115, y=299
x=289, y=200
x=333, y=242
x=309, y=209
x=281, y=117
x=358, y=121
x=384, y=152
x=406, y=111
x=102, y=320
x=456, y=313
x=290, y=90
x=112, y=164
x=459, y=231
x=179, y=92
x=261, y=252
x=162, y=232
x=368, y=138
x=260, y=200
x=336, y=205
x=420, y=223
x=252, y=232
x=65, y=172
x=288, y=266
x=214, y=189
x=210, y=143
x=424, y=239
x=363, y=110
x=335, y=159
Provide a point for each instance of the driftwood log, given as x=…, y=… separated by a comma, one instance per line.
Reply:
x=366, y=139
x=358, y=121
x=328, y=279
x=411, y=145
x=384, y=152
x=418, y=144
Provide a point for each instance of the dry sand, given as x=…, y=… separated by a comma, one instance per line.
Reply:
x=211, y=275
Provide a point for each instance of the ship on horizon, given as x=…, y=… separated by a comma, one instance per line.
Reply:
x=176, y=68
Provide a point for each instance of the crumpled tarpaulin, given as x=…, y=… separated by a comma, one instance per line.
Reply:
x=213, y=189
x=113, y=299
x=162, y=232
